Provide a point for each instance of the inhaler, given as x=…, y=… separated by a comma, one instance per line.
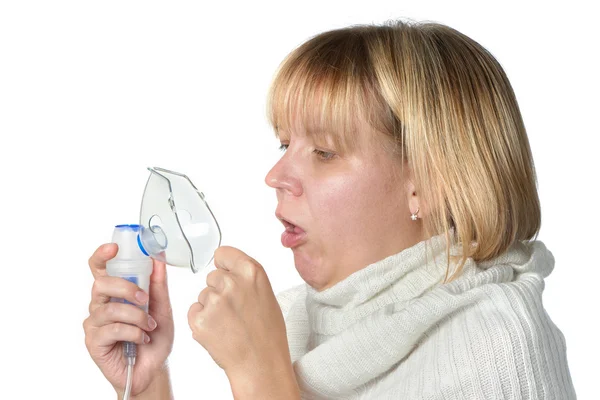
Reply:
x=176, y=226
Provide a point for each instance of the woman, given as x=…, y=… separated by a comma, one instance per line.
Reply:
x=408, y=195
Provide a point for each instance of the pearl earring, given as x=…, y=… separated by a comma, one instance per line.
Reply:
x=414, y=216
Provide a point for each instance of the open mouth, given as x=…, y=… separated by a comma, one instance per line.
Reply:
x=293, y=235
x=289, y=227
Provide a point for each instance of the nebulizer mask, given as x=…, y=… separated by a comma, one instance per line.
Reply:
x=176, y=226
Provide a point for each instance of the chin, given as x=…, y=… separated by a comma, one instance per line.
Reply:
x=309, y=269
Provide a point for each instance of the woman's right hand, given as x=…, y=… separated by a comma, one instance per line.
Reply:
x=111, y=322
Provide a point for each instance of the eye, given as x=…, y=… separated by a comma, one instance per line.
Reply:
x=283, y=147
x=324, y=155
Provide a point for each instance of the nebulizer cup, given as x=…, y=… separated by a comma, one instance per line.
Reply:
x=176, y=226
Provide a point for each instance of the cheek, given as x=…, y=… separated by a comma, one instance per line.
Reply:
x=344, y=206
x=360, y=203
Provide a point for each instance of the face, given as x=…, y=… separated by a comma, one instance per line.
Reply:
x=341, y=211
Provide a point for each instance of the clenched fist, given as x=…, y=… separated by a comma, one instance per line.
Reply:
x=238, y=321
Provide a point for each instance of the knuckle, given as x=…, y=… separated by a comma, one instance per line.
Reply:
x=190, y=315
x=96, y=287
x=117, y=329
x=99, y=287
x=202, y=295
x=211, y=274
x=110, y=310
x=214, y=299
x=250, y=269
x=211, y=277
x=228, y=282
x=195, y=319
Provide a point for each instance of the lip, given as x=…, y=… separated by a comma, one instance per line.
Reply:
x=291, y=240
x=293, y=235
x=286, y=221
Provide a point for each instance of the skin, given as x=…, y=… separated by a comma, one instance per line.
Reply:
x=109, y=323
x=327, y=192
x=237, y=319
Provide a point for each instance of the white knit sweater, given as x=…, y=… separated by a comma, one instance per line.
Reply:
x=393, y=331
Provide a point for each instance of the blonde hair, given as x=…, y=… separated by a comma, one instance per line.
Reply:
x=443, y=103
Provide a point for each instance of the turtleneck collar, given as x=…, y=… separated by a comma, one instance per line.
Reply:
x=395, y=280
x=359, y=329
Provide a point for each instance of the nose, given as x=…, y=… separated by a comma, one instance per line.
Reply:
x=284, y=177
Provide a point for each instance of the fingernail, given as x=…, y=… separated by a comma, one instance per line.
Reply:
x=151, y=323
x=141, y=297
x=146, y=338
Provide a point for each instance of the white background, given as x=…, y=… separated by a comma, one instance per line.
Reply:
x=92, y=93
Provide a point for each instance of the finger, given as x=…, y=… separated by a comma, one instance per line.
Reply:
x=106, y=287
x=235, y=260
x=160, y=303
x=97, y=261
x=220, y=280
x=125, y=313
x=108, y=335
x=207, y=296
x=195, y=317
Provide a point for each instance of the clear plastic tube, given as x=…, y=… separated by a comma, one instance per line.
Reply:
x=130, y=364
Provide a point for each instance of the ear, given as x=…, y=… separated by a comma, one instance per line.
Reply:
x=414, y=201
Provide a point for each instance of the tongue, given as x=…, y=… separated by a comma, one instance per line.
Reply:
x=298, y=230
x=294, y=229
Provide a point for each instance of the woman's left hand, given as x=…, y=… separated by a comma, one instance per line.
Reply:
x=238, y=321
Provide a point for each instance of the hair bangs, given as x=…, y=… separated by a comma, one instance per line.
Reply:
x=322, y=92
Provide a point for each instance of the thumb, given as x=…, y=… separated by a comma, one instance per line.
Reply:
x=160, y=304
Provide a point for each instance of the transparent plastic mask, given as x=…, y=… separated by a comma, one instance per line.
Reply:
x=176, y=223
